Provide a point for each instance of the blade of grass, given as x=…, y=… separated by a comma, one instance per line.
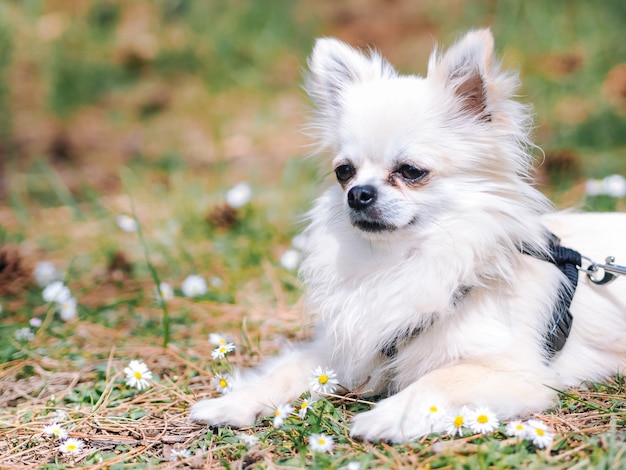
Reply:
x=153, y=272
x=60, y=189
x=579, y=400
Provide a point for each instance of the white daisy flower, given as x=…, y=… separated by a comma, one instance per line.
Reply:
x=138, y=375
x=594, y=187
x=35, y=322
x=67, y=309
x=321, y=443
x=222, y=382
x=538, y=433
x=323, y=380
x=55, y=430
x=614, y=186
x=194, y=286
x=455, y=423
x=126, y=223
x=435, y=414
x=281, y=412
x=24, y=334
x=290, y=259
x=248, y=439
x=239, y=195
x=45, y=273
x=516, y=429
x=222, y=350
x=166, y=292
x=56, y=292
x=218, y=339
x=482, y=421
x=71, y=446
x=61, y=415
x=304, y=407
x=177, y=455
x=216, y=282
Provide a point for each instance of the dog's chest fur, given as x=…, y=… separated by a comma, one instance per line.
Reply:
x=375, y=298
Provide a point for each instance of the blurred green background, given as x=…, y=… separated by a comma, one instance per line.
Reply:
x=171, y=85
x=174, y=101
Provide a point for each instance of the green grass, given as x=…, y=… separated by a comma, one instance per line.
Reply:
x=155, y=109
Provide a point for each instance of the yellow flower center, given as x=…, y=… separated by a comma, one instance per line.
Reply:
x=482, y=419
x=323, y=379
x=321, y=441
x=138, y=375
x=433, y=409
x=276, y=412
x=56, y=431
x=304, y=405
x=222, y=341
x=458, y=421
x=540, y=432
x=519, y=427
x=223, y=383
x=71, y=447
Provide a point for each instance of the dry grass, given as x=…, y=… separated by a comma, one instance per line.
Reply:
x=28, y=404
x=135, y=429
x=139, y=427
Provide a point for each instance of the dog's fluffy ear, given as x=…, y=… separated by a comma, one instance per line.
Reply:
x=467, y=69
x=334, y=66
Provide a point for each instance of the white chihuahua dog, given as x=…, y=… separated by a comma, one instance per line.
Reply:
x=431, y=266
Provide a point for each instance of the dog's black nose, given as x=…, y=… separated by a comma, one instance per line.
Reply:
x=361, y=197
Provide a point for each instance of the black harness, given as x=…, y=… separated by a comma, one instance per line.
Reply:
x=567, y=260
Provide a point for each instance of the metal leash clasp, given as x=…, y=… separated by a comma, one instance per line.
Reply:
x=602, y=274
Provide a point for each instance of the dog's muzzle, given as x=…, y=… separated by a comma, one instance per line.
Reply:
x=364, y=214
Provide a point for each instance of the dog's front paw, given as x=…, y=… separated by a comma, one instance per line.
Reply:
x=400, y=418
x=239, y=409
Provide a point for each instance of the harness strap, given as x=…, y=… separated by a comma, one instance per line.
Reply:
x=391, y=349
x=568, y=261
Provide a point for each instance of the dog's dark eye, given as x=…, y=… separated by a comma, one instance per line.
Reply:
x=344, y=172
x=410, y=173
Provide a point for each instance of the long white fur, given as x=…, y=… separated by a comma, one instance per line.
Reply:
x=463, y=227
